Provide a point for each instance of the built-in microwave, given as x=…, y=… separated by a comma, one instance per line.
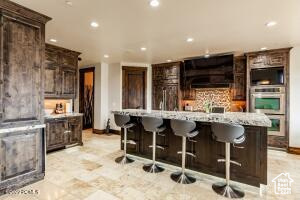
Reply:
x=267, y=76
x=268, y=100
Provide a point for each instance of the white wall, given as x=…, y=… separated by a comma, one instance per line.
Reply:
x=108, y=91
x=295, y=97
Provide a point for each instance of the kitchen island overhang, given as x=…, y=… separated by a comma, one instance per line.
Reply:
x=253, y=155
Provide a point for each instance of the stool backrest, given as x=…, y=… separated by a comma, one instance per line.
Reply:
x=225, y=132
x=121, y=120
x=152, y=123
x=182, y=127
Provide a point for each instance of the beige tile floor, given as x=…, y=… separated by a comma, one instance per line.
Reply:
x=89, y=173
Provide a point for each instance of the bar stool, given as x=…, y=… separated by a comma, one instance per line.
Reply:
x=123, y=121
x=228, y=134
x=154, y=125
x=184, y=129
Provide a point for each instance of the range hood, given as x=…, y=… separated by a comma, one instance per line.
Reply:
x=213, y=72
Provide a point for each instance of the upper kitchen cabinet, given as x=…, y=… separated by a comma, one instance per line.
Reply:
x=272, y=58
x=61, y=72
x=239, y=84
x=166, y=86
x=22, y=57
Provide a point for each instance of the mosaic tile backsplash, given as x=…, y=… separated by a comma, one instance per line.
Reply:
x=219, y=97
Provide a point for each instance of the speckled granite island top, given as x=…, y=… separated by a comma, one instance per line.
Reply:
x=249, y=119
x=64, y=115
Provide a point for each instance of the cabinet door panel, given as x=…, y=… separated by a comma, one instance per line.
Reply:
x=20, y=154
x=75, y=128
x=22, y=78
x=69, y=82
x=172, y=97
x=56, y=136
x=277, y=59
x=51, y=81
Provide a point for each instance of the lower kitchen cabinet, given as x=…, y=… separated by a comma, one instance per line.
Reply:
x=22, y=159
x=61, y=132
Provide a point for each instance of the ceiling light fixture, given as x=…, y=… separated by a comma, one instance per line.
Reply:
x=169, y=60
x=106, y=56
x=206, y=56
x=53, y=40
x=263, y=48
x=154, y=3
x=190, y=39
x=271, y=23
x=94, y=24
x=143, y=48
x=69, y=3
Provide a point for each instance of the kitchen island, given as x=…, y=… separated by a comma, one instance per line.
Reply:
x=252, y=155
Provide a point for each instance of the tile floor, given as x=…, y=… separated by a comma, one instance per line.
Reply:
x=90, y=173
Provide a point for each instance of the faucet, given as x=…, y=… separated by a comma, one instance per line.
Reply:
x=161, y=105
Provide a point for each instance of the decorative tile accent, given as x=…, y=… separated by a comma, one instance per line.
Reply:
x=218, y=97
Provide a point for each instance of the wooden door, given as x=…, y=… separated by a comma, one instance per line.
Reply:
x=69, y=83
x=75, y=130
x=172, y=97
x=21, y=79
x=134, y=87
x=86, y=96
x=56, y=134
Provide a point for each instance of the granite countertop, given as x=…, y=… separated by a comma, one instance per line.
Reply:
x=249, y=119
x=22, y=128
x=64, y=115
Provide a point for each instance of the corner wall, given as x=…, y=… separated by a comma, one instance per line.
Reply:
x=294, y=139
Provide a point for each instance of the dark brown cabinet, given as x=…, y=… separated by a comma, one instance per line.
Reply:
x=239, y=85
x=60, y=72
x=166, y=85
x=56, y=134
x=22, y=46
x=61, y=132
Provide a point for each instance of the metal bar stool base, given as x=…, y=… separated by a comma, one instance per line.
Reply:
x=182, y=178
x=123, y=160
x=228, y=191
x=153, y=168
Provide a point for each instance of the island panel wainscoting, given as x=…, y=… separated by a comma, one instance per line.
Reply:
x=252, y=155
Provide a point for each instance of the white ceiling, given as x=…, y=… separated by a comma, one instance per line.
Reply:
x=127, y=25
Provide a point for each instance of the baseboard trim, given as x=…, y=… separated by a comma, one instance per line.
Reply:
x=103, y=131
x=294, y=150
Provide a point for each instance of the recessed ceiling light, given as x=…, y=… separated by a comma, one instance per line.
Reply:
x=169, y=60
x=206, y=56
x=190, y=39
x=263, y=48
x=154, y=3
x=143, y=48
x=94, y=24
x=106, y=56
x=69, y=3
x=53, y=40
x=271, y=23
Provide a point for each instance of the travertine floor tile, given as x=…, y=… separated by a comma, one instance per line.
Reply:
x=89, y=172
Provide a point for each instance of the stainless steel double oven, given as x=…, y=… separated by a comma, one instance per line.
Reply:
x=268, y=95
x=271, y=101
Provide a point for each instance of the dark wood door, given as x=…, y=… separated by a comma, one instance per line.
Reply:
x=21, y=77
x=56, y=134
x=86, y=96
x=68, y=82
x=134, y=87
x=51, y=80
